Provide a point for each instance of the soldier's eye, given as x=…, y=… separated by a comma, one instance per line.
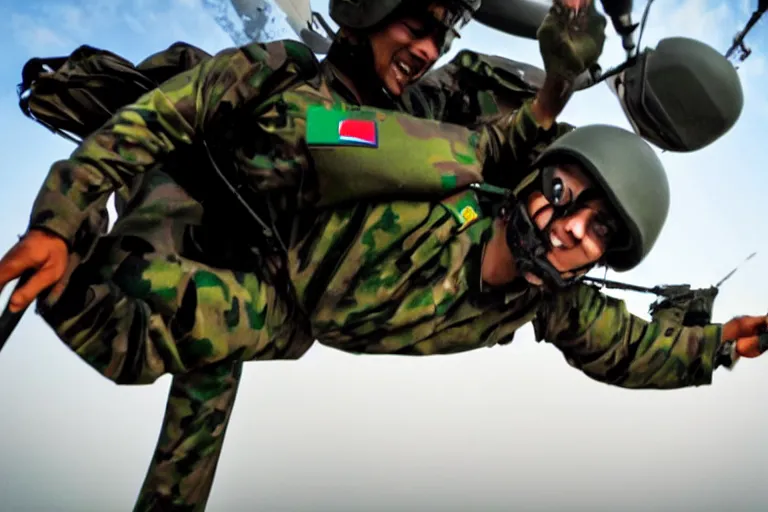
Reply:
x=416, y=29
x=604, y=227
x=557, y=195
x=601, y=230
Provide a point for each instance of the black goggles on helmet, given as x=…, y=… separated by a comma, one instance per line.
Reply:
x=444, y=20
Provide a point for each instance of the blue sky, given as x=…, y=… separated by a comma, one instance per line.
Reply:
x=491, y=430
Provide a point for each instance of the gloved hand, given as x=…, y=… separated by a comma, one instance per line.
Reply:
x=571, y=38
x=37, y=250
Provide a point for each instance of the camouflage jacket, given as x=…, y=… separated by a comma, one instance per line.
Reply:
x=416, y=320
x=404, y=278
x=251, y=105
x=474, y=87
x=633, y=353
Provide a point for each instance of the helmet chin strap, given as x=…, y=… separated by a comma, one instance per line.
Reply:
x=529, y=247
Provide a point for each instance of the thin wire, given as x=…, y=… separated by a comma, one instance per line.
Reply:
x=642, y=26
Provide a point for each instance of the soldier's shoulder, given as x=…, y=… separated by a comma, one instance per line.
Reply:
x=277, y=54
x=465, y=207
x=525, y=74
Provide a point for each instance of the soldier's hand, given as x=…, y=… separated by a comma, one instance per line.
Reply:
x=746, y=331
x=37, y=250
x=571, y=38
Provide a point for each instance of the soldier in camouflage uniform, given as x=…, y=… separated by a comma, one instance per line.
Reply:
x=420, y=278
x=199, y=406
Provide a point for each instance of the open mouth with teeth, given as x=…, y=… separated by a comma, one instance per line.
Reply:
x=407, y=70
x=404, y=69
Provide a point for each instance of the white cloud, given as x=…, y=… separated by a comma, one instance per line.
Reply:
x=139, y=25
x=36, y=38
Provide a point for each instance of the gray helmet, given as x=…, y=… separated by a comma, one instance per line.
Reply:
x=366, y=14
x=682, y=96
x=632, y=177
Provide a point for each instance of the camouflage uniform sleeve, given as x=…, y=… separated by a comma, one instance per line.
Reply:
x=597, y=335
x=176, y=114
x=426, y=158
x=514, y=141
x=410, y=157
x=473, y=86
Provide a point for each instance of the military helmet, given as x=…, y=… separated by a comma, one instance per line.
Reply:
x=366, y=14
x=681, y=96
x=632, y=178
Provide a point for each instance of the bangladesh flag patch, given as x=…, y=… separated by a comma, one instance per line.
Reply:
x=341, y=128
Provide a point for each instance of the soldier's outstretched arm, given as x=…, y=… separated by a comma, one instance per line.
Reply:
x=180, y=112
x=599, y=336
x=515, y=140
x=428, y=158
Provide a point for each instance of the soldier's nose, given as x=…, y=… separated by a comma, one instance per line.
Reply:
x=425, y=49
x=576, y=223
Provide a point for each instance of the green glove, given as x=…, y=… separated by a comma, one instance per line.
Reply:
x=571, y=41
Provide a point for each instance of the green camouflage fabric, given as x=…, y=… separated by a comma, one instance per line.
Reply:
x=160, y=124
x=197, y=415
x=398, y=277
x=473, y=88
x=407, y=281
x=218, y=102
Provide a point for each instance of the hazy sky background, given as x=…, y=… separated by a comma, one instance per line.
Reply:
x=507, y=428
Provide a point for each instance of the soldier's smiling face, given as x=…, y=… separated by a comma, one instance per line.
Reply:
x=407, y=47
x=577, y=239
x=582, y=236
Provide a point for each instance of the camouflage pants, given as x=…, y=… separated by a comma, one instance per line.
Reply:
x=136, y=309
